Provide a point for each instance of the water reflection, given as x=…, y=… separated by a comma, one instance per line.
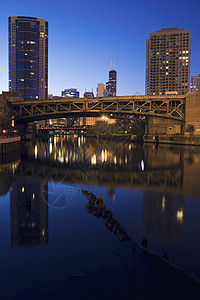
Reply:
x=165, y=174
x=163, y=215
x=29, y=213
x=146, y=188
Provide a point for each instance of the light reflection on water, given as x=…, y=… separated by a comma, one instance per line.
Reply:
x=153, y=191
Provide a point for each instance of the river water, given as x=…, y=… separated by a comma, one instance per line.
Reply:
x=53, y=247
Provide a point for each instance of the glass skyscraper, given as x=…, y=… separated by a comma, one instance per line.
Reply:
x=70, y=93
x=28, y=57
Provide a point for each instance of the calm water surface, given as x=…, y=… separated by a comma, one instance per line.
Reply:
x=51, y=244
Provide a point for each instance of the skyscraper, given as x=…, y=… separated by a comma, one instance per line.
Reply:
x=101, y=91
x=195, y=83
x=88, y=95
x=28, y=57
x=168, y=62
x=70, y=93
x=111, y=85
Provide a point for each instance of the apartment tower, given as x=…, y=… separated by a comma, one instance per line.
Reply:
x=168, y=62
x=28, y=57
x=195, y=83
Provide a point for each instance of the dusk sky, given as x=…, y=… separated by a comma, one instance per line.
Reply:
x=85, y=35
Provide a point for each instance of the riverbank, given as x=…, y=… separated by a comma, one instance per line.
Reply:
x=193, y=140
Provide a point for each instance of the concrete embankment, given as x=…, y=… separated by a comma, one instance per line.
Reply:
x=8, y=144
x=173, y=139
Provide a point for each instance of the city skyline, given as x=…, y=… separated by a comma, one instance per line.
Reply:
x=80, y=47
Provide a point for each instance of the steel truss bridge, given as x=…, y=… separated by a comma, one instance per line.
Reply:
x=169, y=106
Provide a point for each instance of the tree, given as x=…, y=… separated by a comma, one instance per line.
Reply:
x=5, y=113
x=190, y=129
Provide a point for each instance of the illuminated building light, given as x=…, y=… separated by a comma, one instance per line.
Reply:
x=43, y=232
x=36, y=152
x=23, y=189
x=142, y=165
x=33, y=196
x=163, y=202
x=179, y=215
x=50, y=148
x=93, y=160
x=115, y=160
x=105, y=155
x=102, y=156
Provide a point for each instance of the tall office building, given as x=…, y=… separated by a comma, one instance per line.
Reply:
x=28, y=57
x=101, y=91
x=195, y=83
x=168, y=62
x=111, y=85
x=70, y=93
x=88, y=95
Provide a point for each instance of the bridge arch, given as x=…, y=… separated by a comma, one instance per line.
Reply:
x=155, y=106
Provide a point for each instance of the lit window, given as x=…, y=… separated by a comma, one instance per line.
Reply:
x=23, y=189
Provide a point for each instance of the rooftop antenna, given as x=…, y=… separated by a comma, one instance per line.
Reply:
x=115, y=66
x=111, y=65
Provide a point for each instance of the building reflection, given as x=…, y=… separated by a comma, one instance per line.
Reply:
x=29, y=213
x=163, y=215
x=111, y=193
x=7, y=176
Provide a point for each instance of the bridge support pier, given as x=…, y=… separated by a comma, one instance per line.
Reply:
x=157, y=126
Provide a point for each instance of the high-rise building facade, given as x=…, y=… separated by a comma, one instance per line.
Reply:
x=70, y=93
x=168, y=62
x=111, y=85
x=28, y=57
x=101, y=91
x=88, y=95
x=195, y=83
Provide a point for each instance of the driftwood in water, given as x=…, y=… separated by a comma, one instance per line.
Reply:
x=97, y=208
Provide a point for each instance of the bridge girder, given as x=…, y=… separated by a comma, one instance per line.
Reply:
x=172, y=107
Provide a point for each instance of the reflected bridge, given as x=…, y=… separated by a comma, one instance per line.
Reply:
x=169, y=179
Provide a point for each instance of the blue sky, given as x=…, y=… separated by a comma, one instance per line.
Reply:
x=85, y=35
